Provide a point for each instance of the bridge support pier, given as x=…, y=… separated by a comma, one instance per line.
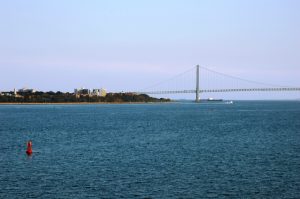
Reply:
x=197, y=84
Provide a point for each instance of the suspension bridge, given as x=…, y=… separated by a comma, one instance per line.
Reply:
x=205, y=82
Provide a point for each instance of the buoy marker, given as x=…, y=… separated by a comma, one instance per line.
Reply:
x=29, y=148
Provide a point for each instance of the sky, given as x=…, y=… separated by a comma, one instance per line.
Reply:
x=128, y=45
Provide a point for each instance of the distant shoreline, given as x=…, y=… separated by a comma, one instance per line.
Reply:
x=50, y=97
x=79, y=103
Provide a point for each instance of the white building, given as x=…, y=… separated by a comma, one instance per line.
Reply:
x=99, y=92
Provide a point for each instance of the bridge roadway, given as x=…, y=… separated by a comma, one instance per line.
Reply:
x=220, y=90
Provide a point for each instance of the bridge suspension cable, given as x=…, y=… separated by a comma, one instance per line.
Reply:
x=242, y=79
x=167, y=80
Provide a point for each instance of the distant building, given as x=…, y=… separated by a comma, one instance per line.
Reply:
x=82, y=91
x=6, y=93
x=26, y=90
x=99, y=92
x=85, y=91
x=95, y=92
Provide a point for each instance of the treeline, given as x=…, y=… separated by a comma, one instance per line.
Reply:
x=60, y=97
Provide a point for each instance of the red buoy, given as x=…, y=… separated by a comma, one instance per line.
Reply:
x=29, y=148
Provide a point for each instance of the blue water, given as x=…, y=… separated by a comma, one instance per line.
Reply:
x=180, y=150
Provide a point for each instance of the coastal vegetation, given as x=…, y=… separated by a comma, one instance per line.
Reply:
x=60, y=97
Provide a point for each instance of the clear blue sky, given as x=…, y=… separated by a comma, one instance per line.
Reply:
x=128, y=45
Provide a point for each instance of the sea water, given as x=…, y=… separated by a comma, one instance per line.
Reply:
x=248, y=149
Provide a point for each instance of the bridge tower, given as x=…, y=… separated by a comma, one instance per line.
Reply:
x=197, y=84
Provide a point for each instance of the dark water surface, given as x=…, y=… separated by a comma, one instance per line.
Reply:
x=180, y=150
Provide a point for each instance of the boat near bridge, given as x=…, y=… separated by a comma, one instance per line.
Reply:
x=211, y=100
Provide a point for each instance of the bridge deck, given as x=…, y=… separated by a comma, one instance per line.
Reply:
x=220, y=90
